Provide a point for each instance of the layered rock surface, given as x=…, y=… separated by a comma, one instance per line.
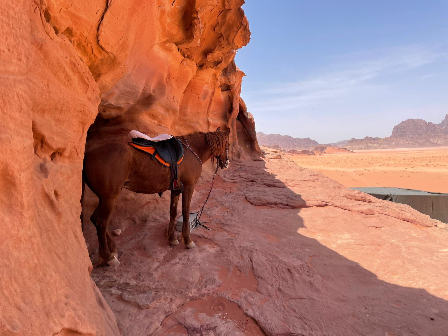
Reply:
x=290, y=252
x=48, y=100
x=161, y=66
x=156, y=66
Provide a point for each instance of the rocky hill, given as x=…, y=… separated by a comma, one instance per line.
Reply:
x=408, y=134
x=285, y=142
x=419, y=128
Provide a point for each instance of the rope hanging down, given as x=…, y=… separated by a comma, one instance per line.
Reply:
x=199, y=213
x=196, y=221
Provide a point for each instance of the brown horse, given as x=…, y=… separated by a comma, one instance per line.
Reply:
x=111, y=167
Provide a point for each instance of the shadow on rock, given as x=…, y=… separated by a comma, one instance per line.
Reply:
x=253, y=273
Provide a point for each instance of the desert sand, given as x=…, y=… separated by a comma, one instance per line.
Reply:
x=416, y=168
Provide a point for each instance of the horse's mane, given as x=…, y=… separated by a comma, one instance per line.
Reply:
x=218, y=140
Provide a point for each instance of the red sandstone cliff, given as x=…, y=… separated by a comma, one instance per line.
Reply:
x=48, y=100
x=156, y=66
x=161, y=66
x=291, y=252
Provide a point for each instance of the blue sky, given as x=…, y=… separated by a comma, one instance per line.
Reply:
x=336, y=69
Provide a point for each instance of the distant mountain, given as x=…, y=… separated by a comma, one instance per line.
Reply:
x=410, y=133
x=342, y=143
x=419, y=128
x=285, y=141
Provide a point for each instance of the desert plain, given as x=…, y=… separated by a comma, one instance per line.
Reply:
x=410, y=168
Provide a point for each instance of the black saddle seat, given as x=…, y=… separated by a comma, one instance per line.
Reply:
x=171, y=150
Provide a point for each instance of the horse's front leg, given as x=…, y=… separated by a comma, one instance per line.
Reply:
x=187, y=193
x=173, y=213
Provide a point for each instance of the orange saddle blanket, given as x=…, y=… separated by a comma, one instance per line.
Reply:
x=151, y=150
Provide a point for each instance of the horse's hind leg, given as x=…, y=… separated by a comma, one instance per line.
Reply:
x=173, y=213
x=110, y=241
x=187, y=193
x=106, y=244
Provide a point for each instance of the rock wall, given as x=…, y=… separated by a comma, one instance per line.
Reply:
x=157, y=66
x=161, y=66
x=48, y=100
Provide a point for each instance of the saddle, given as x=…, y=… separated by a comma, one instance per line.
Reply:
x=166, y=149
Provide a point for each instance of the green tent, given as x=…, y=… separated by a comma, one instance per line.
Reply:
x=434, y=205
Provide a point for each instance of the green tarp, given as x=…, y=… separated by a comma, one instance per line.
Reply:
x=434, y=205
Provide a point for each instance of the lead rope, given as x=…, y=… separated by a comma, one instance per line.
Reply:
x=199, y=213
x=198, y=222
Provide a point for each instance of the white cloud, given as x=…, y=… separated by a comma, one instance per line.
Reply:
x=360, y=73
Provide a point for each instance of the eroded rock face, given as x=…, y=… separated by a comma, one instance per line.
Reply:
x=161, y=66
x=48, y=100
x=156, y=66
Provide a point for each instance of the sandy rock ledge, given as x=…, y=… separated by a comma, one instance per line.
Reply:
x=291, y=252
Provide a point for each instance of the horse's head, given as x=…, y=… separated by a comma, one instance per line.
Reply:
x=219, y=141
x=223, y=157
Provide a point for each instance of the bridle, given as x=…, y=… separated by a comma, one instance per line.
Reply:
x=226, y=163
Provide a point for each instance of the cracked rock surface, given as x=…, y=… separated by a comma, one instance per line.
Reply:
x=290, y=252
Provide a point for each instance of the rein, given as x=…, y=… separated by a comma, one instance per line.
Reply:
x=199, y=213
x=191, y=150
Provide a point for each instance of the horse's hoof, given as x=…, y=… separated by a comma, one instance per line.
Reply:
x=113, y=262
x=114, y=254
x=191, y=245
x=174, y=242
x=101, y=262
